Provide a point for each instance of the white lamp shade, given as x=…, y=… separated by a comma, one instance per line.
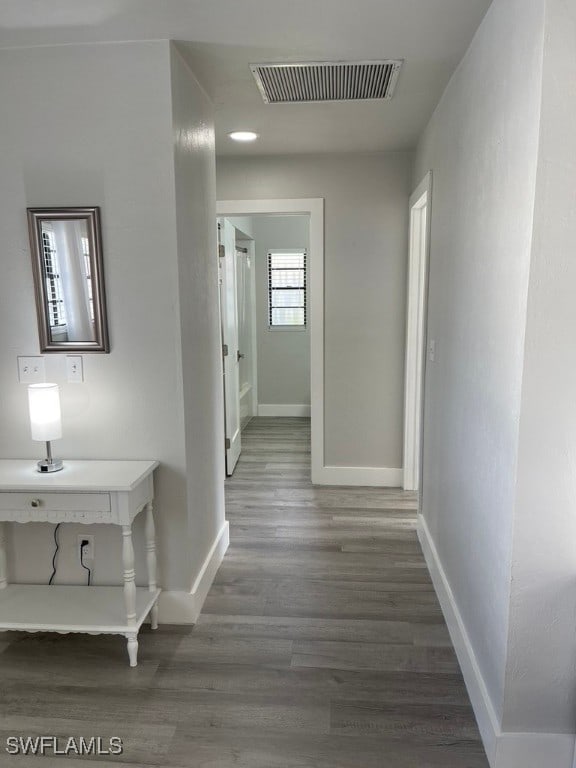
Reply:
x=44, y=405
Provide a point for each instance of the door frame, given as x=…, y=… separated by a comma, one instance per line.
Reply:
x=252, y=255
x=416, y=311
x=314, y=207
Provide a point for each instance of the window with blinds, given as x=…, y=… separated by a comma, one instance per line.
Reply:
x=287, y=289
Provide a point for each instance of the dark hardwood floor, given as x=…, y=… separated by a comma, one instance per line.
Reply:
x=321, y=644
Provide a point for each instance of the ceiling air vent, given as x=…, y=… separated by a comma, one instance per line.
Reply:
x=307, y=82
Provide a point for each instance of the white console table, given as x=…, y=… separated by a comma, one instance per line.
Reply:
x=89, y=492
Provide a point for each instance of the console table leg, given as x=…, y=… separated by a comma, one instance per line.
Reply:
x=132, y=638
x=3, y=567
x=129, y=575
x=151, y=560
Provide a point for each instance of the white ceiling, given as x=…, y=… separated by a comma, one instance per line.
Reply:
x=219, y=38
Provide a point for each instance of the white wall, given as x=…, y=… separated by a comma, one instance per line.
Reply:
x=92, y=125
x=366, y=223
x=541, y=678
x=195, y=186
x=283, y=355
x=244, y=226
x=499, y=482
x=481, y=145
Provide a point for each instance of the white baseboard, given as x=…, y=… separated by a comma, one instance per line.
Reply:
x=534, y=750
x=384, y=477
x=181, y=607
x=481, y=702
x=283, y=410
x=503, y=749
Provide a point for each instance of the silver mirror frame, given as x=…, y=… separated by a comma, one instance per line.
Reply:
x=36, y=216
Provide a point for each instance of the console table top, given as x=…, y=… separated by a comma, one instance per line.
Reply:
x=77, y=475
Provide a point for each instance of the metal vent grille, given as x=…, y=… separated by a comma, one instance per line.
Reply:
x=309, y=82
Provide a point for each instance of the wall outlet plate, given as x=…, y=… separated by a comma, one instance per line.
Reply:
x=31, y=370
x=88, y=549
x=74, y=369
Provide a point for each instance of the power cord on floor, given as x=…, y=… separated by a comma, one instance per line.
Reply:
x=83, y=545
x=55, y=555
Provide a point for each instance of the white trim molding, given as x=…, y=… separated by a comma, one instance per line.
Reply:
x=418, y=259
x=385, y=477
x=503, y=749
x=181, y=607
x=314, y=207
x=273, y=409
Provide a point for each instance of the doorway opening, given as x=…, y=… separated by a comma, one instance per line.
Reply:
x=265, y=321
x=271, y=299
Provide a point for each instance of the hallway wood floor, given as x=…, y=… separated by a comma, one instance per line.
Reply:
x=321, y=644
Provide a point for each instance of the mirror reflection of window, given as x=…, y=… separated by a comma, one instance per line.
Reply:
x=53, y=284
x=66, y=248
x=86, y=252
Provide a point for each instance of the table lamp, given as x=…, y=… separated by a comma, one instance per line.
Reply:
x=45, y=421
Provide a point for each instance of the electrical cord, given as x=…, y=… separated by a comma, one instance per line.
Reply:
x=55, y=555
x=85, y=544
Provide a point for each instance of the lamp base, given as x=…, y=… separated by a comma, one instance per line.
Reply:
x=50, y=465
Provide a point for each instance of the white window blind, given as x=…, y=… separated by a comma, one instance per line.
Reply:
x=55, y=299
x=87, y=268
x=287, y=288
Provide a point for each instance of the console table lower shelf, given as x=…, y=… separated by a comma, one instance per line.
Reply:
x=91, y=610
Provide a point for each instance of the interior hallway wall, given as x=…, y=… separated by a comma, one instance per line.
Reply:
x=366, y=233
x=499, y=478
x=482, y=146
x=540, y=689
x=83, y=143
x=195, y=197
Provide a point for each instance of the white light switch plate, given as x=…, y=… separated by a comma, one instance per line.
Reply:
x=432, y=350
x=74, y=369
x=31, y=370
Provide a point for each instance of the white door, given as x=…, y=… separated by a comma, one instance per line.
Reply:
x=229, y=313
x=416, y=332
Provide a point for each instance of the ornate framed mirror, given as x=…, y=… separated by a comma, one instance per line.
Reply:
x=66, y=246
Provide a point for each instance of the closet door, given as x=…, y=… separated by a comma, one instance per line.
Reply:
x=229, y=315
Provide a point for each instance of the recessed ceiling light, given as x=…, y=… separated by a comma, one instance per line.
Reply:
x=243, y=135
